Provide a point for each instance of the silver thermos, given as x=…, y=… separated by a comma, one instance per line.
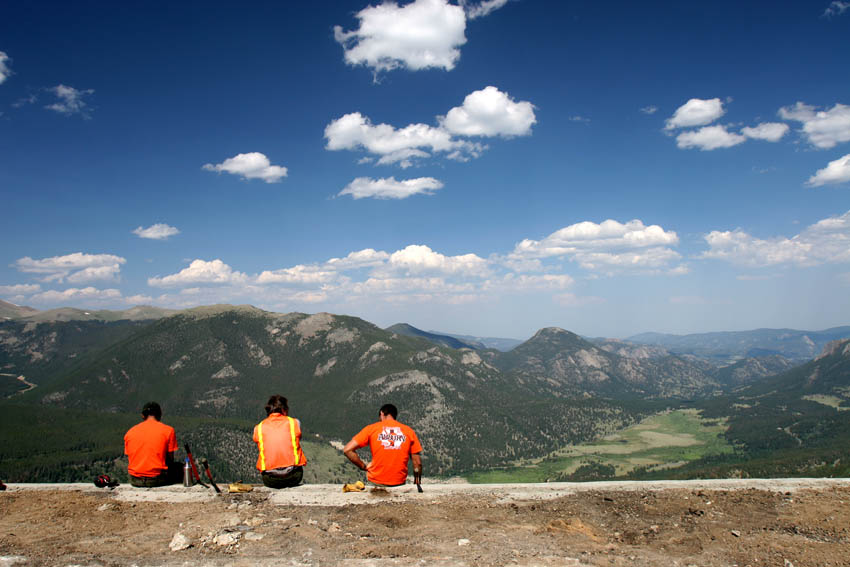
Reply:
x=187, y=474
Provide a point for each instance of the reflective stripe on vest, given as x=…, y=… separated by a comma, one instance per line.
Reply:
x=262, y=446
x=294, y=440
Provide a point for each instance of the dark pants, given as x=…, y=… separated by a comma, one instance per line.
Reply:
x=172, y=475
x=285, y=477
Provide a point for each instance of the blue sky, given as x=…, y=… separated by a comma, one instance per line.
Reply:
x=487, y=168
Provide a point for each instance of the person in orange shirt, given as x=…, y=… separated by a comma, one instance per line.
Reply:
x=150, y=447
x=392, y=444
x=278, y=437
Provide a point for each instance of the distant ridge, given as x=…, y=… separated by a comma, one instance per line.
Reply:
x=444, y=340
x=137, y=313
x=730, y=346
x=12, y=311
x=497, y=343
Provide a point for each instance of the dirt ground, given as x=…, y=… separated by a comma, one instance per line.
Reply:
x=678, y=526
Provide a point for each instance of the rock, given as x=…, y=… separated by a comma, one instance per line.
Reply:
x=464, y=541
x=105, y=507
x=334, y=527
x=313, y=522
x=253, y=536
x=736, y=533
x=179, y=542
x=226, y=538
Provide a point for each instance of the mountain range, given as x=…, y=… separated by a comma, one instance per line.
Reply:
x=476, y=407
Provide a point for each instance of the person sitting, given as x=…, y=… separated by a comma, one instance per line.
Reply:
x=150, y=447
x=278, y=437
x=392, y=444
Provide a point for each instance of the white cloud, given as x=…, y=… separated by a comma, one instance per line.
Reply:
x=490, y=112
x=653, y=259
x=158, y=231
x=836, y=8
x=76, y=294
x=696, y=112
x=389, y=188
x=823, y=128
x=84, y=267
x=827, y=241
x=5, y=72
x=201, y=271
x=297, y=275
x=709, y=138
x=86, y=275
x=420, y=35
x=366, y=258
x=434, y=286
x=481, y=9
x=416, y=259
x=19, y=289
x=836, y=171
x=252, y=165
x=587, y=235
x=70, y=100
x=769, y=131
x=651, y=109
x=354, y=131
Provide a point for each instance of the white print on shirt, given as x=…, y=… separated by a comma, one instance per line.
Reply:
x=391, y=438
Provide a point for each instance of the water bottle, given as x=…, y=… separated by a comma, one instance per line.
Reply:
x=187, y=474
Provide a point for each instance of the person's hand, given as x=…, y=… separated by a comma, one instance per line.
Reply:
x=369, y=466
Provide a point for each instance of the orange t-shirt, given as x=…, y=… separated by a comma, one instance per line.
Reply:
x=146, y=445
x=278, y=439
x=391, y=444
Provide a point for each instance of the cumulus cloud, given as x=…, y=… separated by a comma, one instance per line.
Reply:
x=82, y=267
x=823, y=128
x=709, y=138
x=201, y=271
x=389, y=188
x=768, y=131
x=158, y=231
x=608, y=235
x=481, y=9
x=76, y=294
x=421, y=35
x=836, y=8
x=19, y=289
x=297, y=275
x=70, y=101
x=827, y=241
x=365, y=258
x=837, y=171
x=417, y=258
x=608, y=247
x=528, y=282
x=490, y=112
x=401, y=287
x=5, y=72
x=252, y=165
x=696, y=112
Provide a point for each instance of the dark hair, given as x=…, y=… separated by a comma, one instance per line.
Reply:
x=389, y=409
x=277, y=404
x=152, y=409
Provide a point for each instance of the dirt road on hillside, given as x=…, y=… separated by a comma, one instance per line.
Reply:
x=634, y=524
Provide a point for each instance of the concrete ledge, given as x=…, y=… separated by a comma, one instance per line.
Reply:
x=332, y=495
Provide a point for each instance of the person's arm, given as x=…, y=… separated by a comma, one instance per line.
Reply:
x=350, y=451
x=417, y=468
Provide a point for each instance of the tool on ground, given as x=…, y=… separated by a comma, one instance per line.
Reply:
x=101, y=481
x=206, y=464
x=239, y=487
x=195, y=474
x=354, y=487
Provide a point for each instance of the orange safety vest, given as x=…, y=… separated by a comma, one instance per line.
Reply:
x=278, y=438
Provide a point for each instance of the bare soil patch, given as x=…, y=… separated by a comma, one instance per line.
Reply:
x=607, y=526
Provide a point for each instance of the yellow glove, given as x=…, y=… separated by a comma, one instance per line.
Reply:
x=239, y=487
x=356, y=487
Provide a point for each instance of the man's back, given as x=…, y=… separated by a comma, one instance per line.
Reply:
x=391, y=444
x=146, y=445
